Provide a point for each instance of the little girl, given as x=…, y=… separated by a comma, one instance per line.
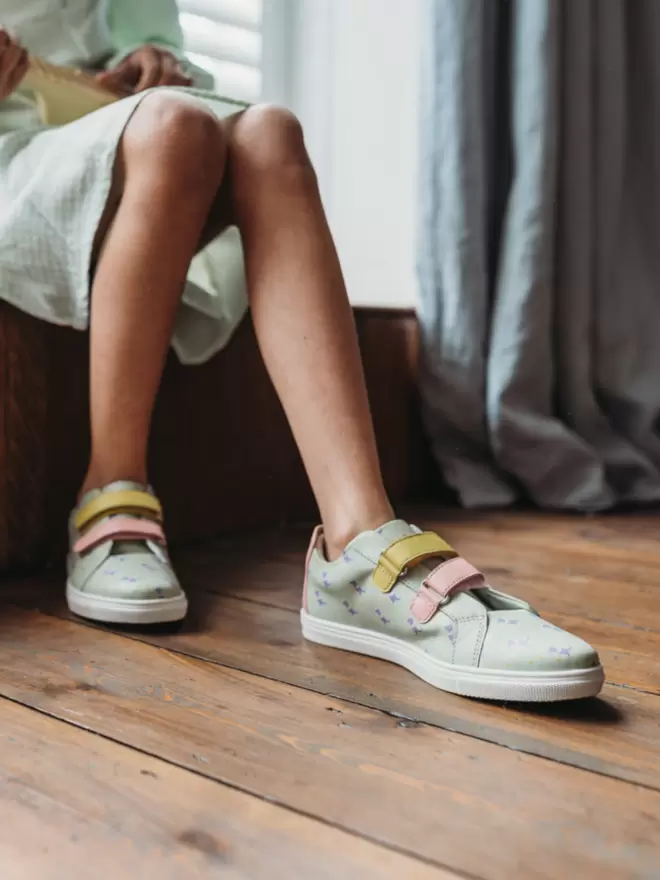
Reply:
x=129, y=222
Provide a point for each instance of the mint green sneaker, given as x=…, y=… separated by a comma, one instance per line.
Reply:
x=403, y=595
x=118, y=566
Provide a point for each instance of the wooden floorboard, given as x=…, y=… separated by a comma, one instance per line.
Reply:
x=459, y=802
x=78, y=805
x=304, y=749
x=617, y=734
x=245, y=615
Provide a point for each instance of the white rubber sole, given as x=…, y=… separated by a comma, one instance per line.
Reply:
x=135, y=611
x=468, y=681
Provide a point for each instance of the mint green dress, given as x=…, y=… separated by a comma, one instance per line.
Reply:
x=54, y=182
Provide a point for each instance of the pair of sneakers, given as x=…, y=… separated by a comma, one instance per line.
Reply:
x=396, y=593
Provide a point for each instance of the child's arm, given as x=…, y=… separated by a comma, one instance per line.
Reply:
x=136, y=23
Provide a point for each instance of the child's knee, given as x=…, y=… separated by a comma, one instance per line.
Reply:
x=175, y=136
x=268, y=137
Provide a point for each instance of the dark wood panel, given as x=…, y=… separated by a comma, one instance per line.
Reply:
x=74, y=804
x=23, y=422
x=472, y=806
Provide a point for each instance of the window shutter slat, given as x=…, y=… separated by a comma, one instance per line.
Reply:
x=231, y=80
x=224, y=37
x=240, y=13
x=221, y=41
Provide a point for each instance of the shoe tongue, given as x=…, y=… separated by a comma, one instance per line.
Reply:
x=125, y=486
x=395, y=530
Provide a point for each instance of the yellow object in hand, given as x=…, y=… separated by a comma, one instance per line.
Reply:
x=64, y=94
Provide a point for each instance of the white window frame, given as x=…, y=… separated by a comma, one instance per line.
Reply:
x=361, y=128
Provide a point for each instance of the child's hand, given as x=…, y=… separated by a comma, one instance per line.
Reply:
x=143, y=69
x=13, y=64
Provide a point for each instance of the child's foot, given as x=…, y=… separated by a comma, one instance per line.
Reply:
x=119, y=570
x=405, y=596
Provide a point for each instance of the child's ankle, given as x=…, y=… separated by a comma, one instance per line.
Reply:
x=337, y=538
x=97, y=478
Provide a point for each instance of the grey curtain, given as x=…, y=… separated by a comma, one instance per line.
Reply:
x=539, y=253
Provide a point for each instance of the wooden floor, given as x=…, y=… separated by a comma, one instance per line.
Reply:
x=231, y=749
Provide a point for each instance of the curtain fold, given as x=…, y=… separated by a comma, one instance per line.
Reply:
x=539, y=258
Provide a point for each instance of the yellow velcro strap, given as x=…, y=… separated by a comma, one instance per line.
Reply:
x=127, y=503
x=407, y=552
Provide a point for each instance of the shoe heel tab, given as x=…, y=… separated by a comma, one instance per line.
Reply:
x=316, y=540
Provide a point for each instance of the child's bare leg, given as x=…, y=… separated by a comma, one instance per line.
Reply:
x=170, y=164
x=303, y=320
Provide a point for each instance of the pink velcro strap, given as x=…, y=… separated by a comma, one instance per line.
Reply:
x=120, y=528
x=450, y=577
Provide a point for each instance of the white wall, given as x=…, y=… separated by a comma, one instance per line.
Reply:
x=355, y=84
